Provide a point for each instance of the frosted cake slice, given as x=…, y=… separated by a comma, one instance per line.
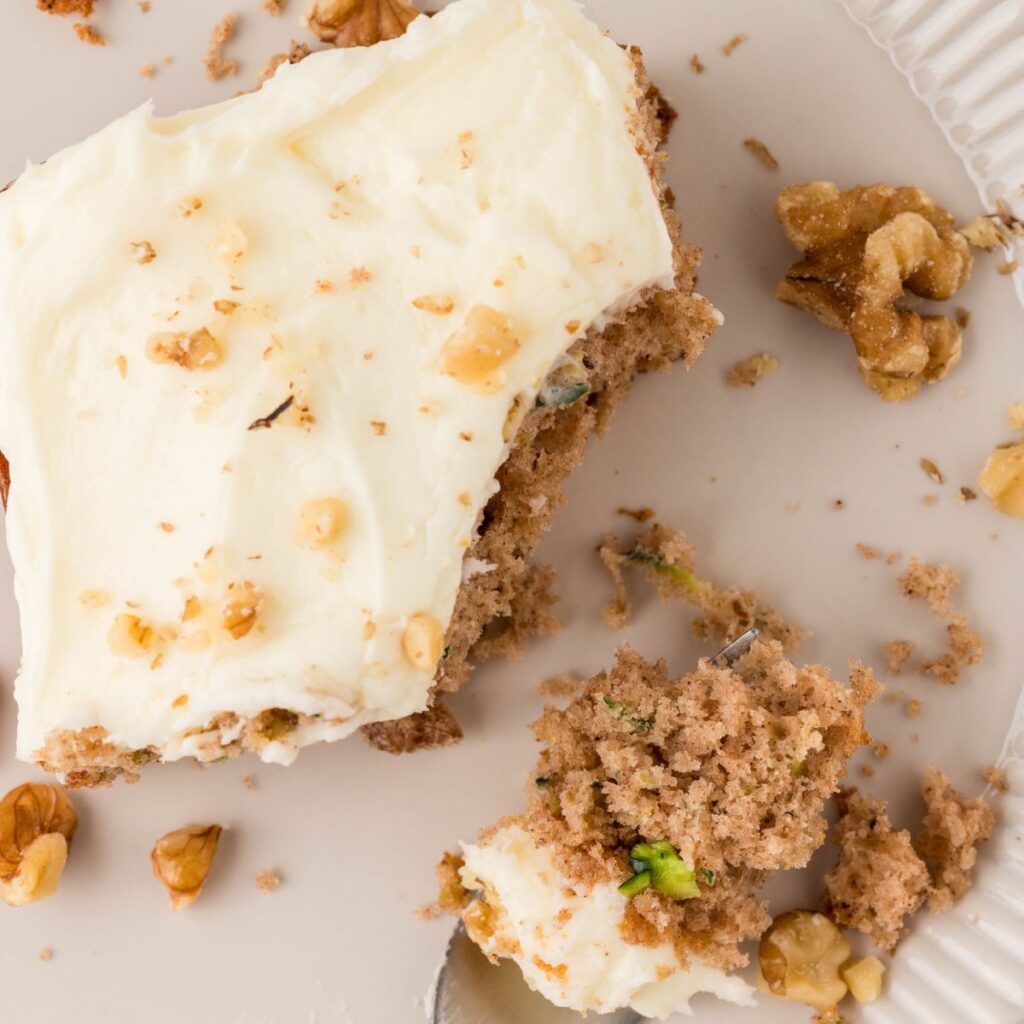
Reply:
x=288, y=384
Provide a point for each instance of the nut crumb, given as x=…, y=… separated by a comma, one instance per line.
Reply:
x=46, y=954
x=966, y=495
x=147, y=70
x=930, y=499
x=1002, y=479
x=216, y=64
x=121, y=362
x=191, y=350
x=737, y=40
x=762, y=152
x=89, y=35
x=142, y=252
x=696, y=65
x=273, y=7
x=641, y=515
x=62, y=8
x=962, y=316
x=1015, y=415
x=441, y=305
x=839, y=504
x=748, y=372
x=166, y=527
x=932, y=470
x=189, y=206
x=359, y=22
x=380, y=427
x=1006, y=267
x=268, y=881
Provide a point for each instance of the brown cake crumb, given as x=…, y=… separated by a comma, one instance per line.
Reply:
x=996, y=778
x=748, y=372
x=296, y=52
x=216, y=64
x=424, y=730
x=738, y=39
x=249, y=782
x=147, y=70
x=913, y=708
x=62, y=8
x=879, y=878
x=1007, y=267
x=273, y=7
x=46, y=954
x=732, y=765
x=268, y=881
x=89, y=35
x=961, y=316
x=762, y=152
x=948, y=842
x=869, y=553
x=696, y=66
x=665, y=557
x=563, y=685
x=829, y=1015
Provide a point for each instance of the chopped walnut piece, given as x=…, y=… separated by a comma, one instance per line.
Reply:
x=800, y=957
x=727, y=48
x=89, y=35
x=452, y=895
x=130, y=637
x=985, y=232
x=641, y=515
x=953, y=827
x=762, y=152
x=62, y=8
x=1002, y=479
x=864, y=978
x=142, y=252
x=931, y=470
x=1015, y=415
x=187, y=207
x=182, y=860
x=359, y=22
x=475, y=353
x=217, y=66
x=94, y=598
x=1006, y=267
x=37, y=823
x=862, y=248
x=191, y=350
x=321, y=522
x=268, y=881
x=243, y=606
x=422, y=640
x=230, y=243
x=748, y=372
x=441, y=305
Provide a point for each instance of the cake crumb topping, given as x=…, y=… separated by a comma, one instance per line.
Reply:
x=216, y=64
x=748, y=372
x=761, y=152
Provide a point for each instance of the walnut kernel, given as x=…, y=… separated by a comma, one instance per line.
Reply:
x=421, y=641
x=1002, y=479
x=182, y=859
x=474, y=354
x=800, y=957
x=241, y=609
x=321, y=522
x=192, y=350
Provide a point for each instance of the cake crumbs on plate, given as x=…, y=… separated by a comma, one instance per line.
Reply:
x=763, y=741
x=268, y=881
x=665, y=557
x=881, y=749
x=948, y=842
x=88, y=34
x=747, y=372
x=838, y=505
x=273, y=7
x=965, y=495
x=216, y=64
x=762, y=152
x=147, y=70
x=930, y=499
x=249, y=782
x=868, y=552
x=737, y=40
x=879, y=878
x=996, y=778
x=931, y=470
x=1006, y=267
x=46, y=954
x=696, y=65
x=913, y=708
x=425, y=730
x=961, y=316
x=1015, y=415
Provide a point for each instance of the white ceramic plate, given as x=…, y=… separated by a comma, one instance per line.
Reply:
x=355, y=833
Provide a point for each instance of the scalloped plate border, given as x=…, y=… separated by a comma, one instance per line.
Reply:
x=964, y=59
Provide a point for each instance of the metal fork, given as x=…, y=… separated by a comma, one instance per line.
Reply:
x=471, y=990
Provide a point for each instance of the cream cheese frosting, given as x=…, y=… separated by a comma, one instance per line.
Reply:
x=567, y=942
x=260, y=361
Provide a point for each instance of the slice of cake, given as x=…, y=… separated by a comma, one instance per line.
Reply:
x=288, y=384
x=656, y=812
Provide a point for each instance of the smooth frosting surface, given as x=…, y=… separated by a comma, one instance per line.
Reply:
x=399, y=242
x=567, y=942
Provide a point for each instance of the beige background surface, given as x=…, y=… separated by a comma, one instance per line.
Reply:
x=355, y=833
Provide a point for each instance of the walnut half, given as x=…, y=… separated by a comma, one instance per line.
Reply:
x=359, y=22
x=37, y=822
x=182, y=859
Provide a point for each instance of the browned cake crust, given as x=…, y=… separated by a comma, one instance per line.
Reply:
x=494, y=611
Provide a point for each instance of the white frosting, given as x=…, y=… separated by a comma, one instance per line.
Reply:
x=354, y=160
x=589, y=965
